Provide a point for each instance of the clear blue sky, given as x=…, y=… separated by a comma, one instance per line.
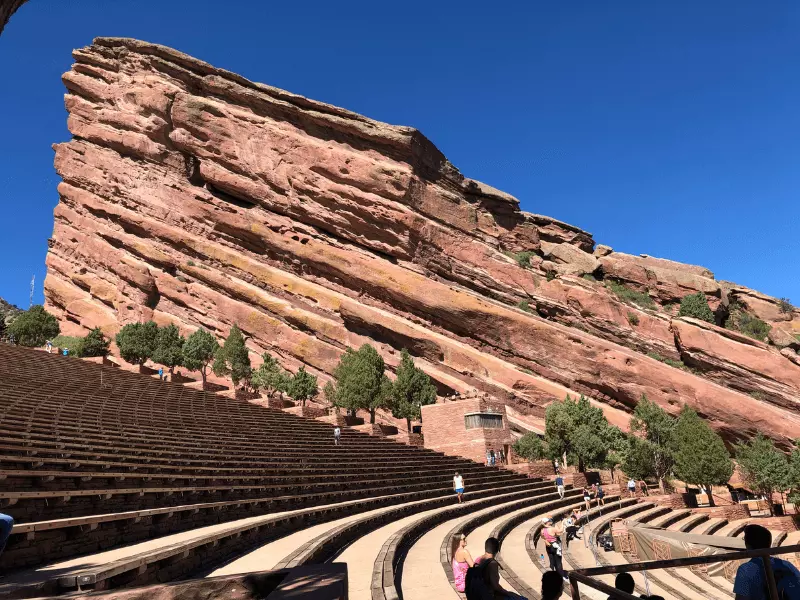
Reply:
x=671, y=129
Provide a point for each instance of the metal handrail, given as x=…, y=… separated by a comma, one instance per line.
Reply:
x=585, y=576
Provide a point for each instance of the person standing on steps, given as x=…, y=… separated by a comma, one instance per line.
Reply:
x=587, y=498
x=632, y=487
x=643, y=488
x=6, y=524
x=601, y=494
x=161, y=374
x=552, y=541
x=556, y=467
x=488, y=459
x=560, y=486
x=462, y=560
x=337, y=435
x=458, y=486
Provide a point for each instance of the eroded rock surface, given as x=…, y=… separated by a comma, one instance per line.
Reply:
x=192, y=195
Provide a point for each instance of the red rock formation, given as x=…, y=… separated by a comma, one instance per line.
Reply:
x=192, y=195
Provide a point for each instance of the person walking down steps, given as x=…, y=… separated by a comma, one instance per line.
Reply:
x=458, y=486
x=337, y=435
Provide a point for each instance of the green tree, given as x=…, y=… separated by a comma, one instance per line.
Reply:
x=655, y=426
x=270, y=377
x=233, y=359
x=137, y=342
x=33, y=327
x=638, y=459
x=95, y=343
x=701, y=457
x=169, y=347
x=360, y=381
x=530, y=447
x=198, y=351
x=412, y=389
x=696, y=305
x=579, y=431
x=303, y=386
x=764, y=467
x=3, y=327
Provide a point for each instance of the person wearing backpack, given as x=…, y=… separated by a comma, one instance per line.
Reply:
x=751, y=580
x=483, y=579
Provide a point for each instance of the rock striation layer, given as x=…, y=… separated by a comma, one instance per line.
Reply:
x=194, y=196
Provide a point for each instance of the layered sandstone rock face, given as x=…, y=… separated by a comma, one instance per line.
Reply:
x=192, y=195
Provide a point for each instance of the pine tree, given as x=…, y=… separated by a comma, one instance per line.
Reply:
x=33, y=327
x=303, y=386
x=270, y=377
x=169, y=347
x=137, y=342
x=95, y=343
x=360, y=381
x=233, y=359
x=700, y=454
x=764, y=467
x=412, y=389
x=655, y=426
x=198, y=351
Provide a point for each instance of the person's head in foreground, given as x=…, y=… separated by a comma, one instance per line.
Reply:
x=552, y=585
x=757, y=537
x=624, y=583
x=492, y=546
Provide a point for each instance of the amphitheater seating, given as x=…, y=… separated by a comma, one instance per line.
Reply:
x=119, y=479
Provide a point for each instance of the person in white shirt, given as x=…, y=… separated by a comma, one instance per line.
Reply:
x=337, y=435
x=458, y=486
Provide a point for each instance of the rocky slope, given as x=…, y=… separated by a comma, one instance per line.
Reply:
x=192, y=195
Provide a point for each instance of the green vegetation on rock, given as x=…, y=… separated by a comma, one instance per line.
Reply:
x=785, y=306
x=524, y=305
x=270, y=377
x=696, y=306
x=630, y=296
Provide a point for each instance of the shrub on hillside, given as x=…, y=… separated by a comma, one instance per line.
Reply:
x=785, y=306
x=524, y=305
x=630, y=296
x=753, y=326
x=696, y=306
x=633, y=318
